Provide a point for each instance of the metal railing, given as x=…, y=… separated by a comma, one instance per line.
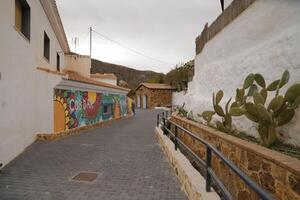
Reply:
x=165, y=124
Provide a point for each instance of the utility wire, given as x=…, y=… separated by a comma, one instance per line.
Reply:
x=130, y=49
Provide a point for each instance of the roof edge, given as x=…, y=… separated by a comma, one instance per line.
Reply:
x=53, y=16
x=143, y=84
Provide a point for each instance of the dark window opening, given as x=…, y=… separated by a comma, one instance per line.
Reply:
x=22, y=17
x=57, y=62
x=46, y=47
x=106, y=109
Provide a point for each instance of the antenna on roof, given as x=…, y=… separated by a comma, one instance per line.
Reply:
x=91, y=31
x=75, y=42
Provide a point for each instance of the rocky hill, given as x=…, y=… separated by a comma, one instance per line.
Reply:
x=131, y=76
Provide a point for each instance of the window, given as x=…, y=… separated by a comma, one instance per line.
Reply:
x=57, y=62
x=46, y=46
x=22, y=17
x=105, y=109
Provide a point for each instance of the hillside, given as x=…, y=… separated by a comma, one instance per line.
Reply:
x=132, y=76
x=177, y=77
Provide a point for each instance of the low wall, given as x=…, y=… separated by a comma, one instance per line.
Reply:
x=277, y=173
x=192, y=183
x=75, y=131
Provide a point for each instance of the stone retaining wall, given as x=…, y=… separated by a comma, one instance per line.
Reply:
x=277, y=173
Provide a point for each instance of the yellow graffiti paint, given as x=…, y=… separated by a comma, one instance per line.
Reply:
x=92, y=96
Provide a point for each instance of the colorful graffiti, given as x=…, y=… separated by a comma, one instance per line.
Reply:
x=73, y=108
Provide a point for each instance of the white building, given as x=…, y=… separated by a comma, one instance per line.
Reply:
x=31, y=36
x=35, y=66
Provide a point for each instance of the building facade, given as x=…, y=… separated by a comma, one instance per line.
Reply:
x=151, y=95
x=31, y=36
x=45, y=88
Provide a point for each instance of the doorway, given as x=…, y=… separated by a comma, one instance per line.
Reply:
x=138, y=103
x=144, y=101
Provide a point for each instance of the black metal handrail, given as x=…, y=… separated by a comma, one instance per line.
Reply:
x=162, y=121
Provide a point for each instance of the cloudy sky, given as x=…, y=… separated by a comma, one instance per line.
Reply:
x=159, y=33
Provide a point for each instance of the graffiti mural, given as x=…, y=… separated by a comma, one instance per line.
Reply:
x=73, y=108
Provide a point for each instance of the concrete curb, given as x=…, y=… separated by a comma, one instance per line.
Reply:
x=192, y=183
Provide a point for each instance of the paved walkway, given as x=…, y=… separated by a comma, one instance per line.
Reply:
x=129, y=160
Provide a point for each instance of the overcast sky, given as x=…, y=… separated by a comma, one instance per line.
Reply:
x=164, y=30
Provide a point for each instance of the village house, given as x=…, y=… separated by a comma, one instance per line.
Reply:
x=151, y=95
x=44, y=87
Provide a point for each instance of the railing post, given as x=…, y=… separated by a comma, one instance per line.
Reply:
x=164, y=124
x=157, y=120
x=208, y=166
x=176, y=142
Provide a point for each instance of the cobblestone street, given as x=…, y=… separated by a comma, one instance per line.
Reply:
x=128, y=160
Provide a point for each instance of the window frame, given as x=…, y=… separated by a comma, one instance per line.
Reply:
x=46, y=47
x=25, y=18
x=57, y=62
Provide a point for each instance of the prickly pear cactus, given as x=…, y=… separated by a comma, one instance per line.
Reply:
x=278, y=112
x=250, y=100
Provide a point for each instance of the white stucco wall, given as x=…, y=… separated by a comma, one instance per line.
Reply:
x=23, y=92
x=107, y=80
x=263, y=39
x=78, y=63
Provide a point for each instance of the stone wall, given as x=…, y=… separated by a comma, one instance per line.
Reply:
x=192, y=183
x=277, y=173
x=155, y=97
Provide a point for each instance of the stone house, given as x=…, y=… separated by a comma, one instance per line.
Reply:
x=151, y=95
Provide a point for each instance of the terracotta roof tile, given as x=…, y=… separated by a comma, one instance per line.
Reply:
x=50, y=71
x=74, y=76
x=160, y=86
x=105, y=75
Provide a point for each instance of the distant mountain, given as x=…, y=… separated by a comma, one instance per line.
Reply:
x=131, y=76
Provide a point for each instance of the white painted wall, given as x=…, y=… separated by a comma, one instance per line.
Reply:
x=107, y=80
x=263, y=39
x=23, y=92
x=78, y=63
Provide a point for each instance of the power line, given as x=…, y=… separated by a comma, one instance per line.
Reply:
x=130, y=49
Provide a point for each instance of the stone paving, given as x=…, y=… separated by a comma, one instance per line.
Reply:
x=125, y=154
